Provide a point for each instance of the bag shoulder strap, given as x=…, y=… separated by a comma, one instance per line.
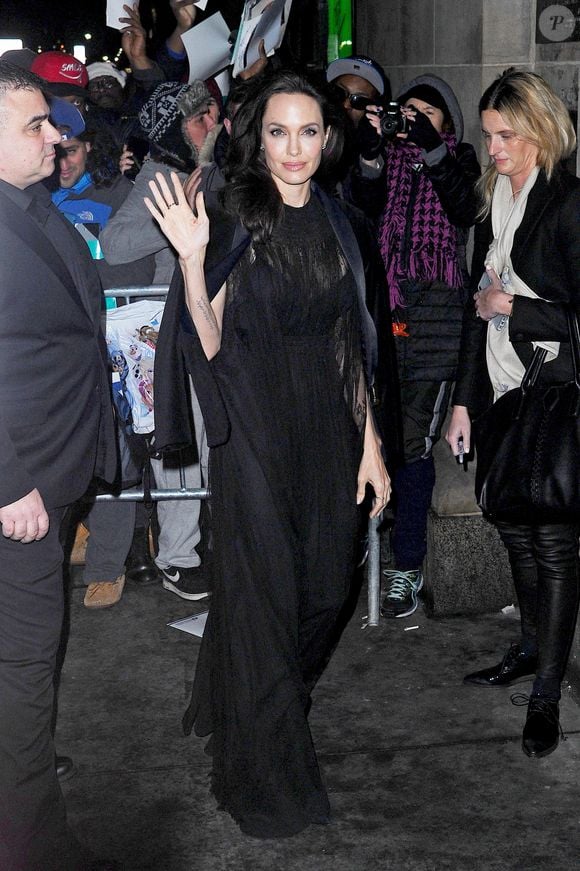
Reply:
x=534, y=368
x=574, y=330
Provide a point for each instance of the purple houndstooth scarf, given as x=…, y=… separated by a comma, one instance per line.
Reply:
x=431, y=240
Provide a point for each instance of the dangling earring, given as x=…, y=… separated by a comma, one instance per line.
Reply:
x=261, y=147
x=324, y=146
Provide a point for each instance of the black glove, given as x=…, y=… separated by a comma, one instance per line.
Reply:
x=422, y=133
x=369, y=143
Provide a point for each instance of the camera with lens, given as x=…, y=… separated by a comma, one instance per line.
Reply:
x=393, y=121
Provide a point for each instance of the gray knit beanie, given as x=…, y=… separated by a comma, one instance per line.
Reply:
x=194, y=100
x=162, y=116
x=170, y=104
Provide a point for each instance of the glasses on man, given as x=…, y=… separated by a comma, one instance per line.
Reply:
x=357, y=101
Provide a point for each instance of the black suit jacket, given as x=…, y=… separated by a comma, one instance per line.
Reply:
x=56, y=425
x=546, y=255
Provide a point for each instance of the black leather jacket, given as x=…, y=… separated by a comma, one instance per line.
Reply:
x=546, y=255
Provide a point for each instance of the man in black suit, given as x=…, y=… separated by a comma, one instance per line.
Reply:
x=55, y=435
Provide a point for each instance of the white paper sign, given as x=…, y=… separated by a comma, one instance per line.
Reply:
x=261, y=19
x=223, y=81
x=207, y=46
x=115, y=11
x=193, y=625
x=201, y=4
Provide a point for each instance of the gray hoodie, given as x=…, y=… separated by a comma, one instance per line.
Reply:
x=446, y=92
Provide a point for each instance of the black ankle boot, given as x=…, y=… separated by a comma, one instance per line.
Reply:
x=515, y=666
x=139, y=565
x=542, y=730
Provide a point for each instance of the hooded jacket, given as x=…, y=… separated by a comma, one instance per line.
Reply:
x=452, y=178
x=433, y=311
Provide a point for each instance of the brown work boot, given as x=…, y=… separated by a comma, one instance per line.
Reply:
x=79, y=550
x=104, y=594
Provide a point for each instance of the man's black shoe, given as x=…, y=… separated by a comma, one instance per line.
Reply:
x=542, y=730
x=65, y=767
x=139, y=565
x=514, y=667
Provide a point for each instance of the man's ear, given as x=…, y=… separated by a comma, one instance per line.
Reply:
x=88, y=146
x=228, y=126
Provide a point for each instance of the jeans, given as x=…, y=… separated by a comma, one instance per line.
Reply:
x=413, y=487
x=424, y=405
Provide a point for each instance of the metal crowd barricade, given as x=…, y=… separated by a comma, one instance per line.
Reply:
x=138, y=494
x=374, y=571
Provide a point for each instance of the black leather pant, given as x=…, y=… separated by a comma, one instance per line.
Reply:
x=545, y=567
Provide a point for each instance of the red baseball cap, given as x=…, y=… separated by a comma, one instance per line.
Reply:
x=64, y=73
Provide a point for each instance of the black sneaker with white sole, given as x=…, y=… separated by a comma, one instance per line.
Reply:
x=189, y=583
x=402, y=589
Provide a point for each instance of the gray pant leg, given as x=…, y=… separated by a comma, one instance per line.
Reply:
x=111, y=526
x=179, y=532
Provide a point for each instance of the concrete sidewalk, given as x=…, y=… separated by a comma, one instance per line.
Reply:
x=424, y=773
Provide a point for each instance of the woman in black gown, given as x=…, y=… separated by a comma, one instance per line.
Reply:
x=280, y=346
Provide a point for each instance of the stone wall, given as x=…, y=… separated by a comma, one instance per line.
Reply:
x=467, y=43
x=466, y=567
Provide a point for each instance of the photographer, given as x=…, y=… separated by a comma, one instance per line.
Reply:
x=358, y=86
x=429, y=205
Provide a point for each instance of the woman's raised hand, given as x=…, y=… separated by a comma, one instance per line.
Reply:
x=188, y=233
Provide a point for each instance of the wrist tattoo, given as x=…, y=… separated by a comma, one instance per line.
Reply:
x=206, y=311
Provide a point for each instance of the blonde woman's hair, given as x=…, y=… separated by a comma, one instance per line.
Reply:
x=535, y=113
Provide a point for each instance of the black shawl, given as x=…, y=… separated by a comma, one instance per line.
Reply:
x=179, y=350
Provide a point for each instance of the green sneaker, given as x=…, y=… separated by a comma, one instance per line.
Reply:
x=401, y=596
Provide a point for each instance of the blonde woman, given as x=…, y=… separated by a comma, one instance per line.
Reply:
x=527, y=263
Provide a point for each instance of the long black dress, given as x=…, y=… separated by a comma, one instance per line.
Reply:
x=284, y=519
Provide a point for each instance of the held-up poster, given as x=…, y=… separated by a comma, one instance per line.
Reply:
x=261, y=20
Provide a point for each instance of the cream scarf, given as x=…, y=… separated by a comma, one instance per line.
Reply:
x=505, y=368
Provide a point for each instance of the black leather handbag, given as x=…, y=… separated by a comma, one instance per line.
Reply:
x=528, y=447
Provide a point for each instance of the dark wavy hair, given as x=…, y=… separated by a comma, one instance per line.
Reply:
x=251, y=192
x=102, y=159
